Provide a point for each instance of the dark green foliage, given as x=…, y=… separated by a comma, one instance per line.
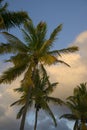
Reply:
x=78, y=106
x=9, y=19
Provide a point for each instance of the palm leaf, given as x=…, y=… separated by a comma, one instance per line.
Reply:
x=54, y=100
x=69, y=50
x=12, y=19
x=12, y=73
x=69, y=116
x=55, y=33
x=48, y=110
x=15, y=42
x=19, y=114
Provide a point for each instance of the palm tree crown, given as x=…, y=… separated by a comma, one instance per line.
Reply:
x=39, y=96
x=36, y=50
x=78, y=106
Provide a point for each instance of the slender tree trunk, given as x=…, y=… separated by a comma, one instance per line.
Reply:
x=25, y=110
x=36, y=115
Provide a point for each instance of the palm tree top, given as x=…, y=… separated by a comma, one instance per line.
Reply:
x=35, y=50
x=78, y=106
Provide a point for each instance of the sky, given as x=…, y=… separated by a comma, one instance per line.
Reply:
x=73, y=16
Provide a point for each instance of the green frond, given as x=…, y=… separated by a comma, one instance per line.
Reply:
x=18, y=102
x=3, y=8
x=55, y=53
x=26, y=37
x=45, y=47
x=41, y=30
x=7, y=48
x=54, y=100
x=12, y=73
x=20, y=113
x=69, y=50
x=48, y=110
x=29, y=27
x=62, y=62
x=55, y=32
x=15, y=42
x=12, y=19
x=27, y=80
x=16, y=60
x=48, y=59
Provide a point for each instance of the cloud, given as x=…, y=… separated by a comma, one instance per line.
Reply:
x=68, y=78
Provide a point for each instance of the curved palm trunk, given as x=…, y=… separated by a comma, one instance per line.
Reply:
x=23, y=119
x=25, y=110
x=36, y=115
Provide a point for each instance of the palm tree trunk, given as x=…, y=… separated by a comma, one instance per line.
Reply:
x=36, y=115
x=23, y=119
x=25, y=110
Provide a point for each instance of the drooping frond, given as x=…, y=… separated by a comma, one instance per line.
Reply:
x=69, y=50
x=48, y=59
x=48, y=110
x=54, y=100
x=18, y=102
x=12, y=19
x=15, y=42
x=69, y=116
x=12, y=73
x=20, y=113
x=19, y=59
x=7, y=48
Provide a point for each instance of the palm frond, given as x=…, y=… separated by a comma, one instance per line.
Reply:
x=48, y=110
x=69, y=50
x=12, y=19
x=26, y=37
x=12, y=73
x=7, y=48
x=15, y=42
x=19, y=114
x=69, y=116
x=16, y=60
x=55, y=100
x=62, y=62
x=41, y=30
x=4, y=8
x=18, y=102
x=55, y=32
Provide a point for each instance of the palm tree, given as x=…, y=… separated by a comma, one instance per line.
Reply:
x=35, y=51
x=39, y=96
x=26, y=57
x=10, y=19
x=78, y=106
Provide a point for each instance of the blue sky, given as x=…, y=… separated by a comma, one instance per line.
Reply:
x=73, y=15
